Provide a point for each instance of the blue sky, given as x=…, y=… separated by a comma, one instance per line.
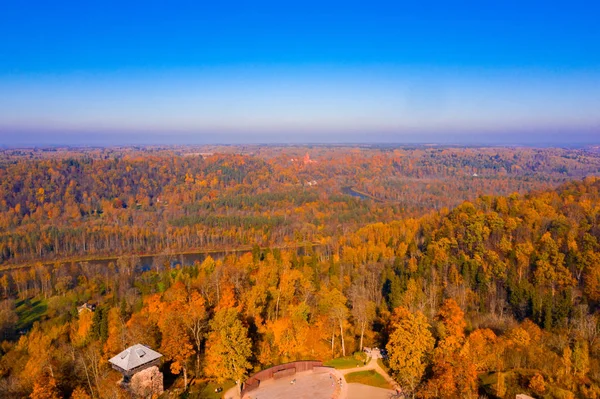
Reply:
x=176, y=72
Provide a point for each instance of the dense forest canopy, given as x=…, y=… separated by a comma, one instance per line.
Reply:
x=478, y=269
x=79, y=204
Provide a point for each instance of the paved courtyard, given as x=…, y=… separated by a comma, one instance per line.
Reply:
x=360, y=391
x=308, y=385
x=322, y=385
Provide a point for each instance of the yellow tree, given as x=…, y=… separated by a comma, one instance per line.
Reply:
x=454, y=374
x=333, y=304
x=227, y=298
x=301, y=329
x=171, y=312
x=592, y=280
x=290, y=334
x=283, y=337
x=142, y=329
x=39, y=347
x=409, y=346
x=82, y=328
x=195, y=320
x=363, y=310
x=80, y=393
x=228, y=347
x=550, y=270
x=581, y=358
x=45, y=388
x=452, y=320
x=176, y=344
x=537, y=384
x=485, y=349
x=116, y=333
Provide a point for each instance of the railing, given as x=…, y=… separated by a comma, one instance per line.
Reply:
x=280, y=370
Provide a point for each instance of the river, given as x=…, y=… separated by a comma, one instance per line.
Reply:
x=175, y=259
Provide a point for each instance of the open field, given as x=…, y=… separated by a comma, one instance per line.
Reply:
x=30, y=311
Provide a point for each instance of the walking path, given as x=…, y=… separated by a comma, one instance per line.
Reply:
x=373, y=365
x=232, y=393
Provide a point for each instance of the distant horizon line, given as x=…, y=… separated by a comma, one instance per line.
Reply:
x=56, y=146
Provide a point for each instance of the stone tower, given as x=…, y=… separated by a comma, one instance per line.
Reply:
x=139, y=366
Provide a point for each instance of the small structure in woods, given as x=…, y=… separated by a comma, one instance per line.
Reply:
x=523, y=396
x=89, y=307
x=139, y=366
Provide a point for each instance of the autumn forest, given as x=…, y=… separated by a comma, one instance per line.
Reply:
x=478, y=269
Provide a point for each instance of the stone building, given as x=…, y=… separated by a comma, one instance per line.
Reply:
x=139, y=366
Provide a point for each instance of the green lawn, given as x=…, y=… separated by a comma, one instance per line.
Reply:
x=30, y=311
x=206, y=390
x=368, y=377
x=347, y=362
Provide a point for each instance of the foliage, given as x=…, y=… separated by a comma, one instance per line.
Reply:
x=537, y=384
x=503, y=288
x=409, y=348
x=80, y=393
x=45, y=389
x=228, y=347
x=69, y=203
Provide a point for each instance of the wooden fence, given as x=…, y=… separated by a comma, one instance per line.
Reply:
x=280, y=370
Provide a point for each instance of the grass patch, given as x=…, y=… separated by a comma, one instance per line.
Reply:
x=347, y=362
x=30, y=311
x=368, y=377
x=205, y=389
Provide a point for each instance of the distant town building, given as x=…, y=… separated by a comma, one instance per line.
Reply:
x=307, y=159
x=139, y=366
x=523, y=396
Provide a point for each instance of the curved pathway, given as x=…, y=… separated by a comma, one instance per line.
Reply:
x=372, y=365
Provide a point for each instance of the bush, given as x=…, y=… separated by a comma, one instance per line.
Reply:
x=537, y=383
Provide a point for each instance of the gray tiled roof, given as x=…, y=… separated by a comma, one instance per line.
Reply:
x=134, y=356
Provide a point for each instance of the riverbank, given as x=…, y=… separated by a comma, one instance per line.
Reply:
x=184, y=257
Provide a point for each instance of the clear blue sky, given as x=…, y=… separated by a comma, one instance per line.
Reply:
x=101, y=72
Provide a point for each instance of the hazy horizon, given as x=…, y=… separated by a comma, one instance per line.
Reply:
x=78, y=139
